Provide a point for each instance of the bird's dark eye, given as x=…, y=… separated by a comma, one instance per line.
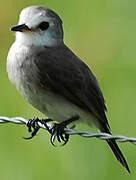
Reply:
x=43, y=26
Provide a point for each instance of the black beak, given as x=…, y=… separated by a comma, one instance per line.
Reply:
x=20, y=28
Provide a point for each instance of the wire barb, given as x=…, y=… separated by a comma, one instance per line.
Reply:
x=103, y=136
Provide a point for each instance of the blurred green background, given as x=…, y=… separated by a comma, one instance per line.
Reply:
x=103, y=34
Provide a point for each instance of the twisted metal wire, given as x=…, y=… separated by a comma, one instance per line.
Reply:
x=103, y=136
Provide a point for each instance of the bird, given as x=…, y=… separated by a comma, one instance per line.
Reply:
x=54, y=79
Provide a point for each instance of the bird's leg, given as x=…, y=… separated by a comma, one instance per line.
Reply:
x=33, y=126
x=57, y=130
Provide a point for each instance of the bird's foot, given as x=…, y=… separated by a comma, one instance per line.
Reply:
x=33, y=126
x=57, y=131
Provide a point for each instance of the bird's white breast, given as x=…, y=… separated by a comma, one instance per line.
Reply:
x=15, y=58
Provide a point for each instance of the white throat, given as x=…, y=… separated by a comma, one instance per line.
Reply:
x=35, y=39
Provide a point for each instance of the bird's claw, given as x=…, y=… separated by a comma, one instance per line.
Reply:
x=33, y=126
x=57, y=131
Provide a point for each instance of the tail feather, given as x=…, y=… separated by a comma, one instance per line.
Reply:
x=118, y=154
x=116, y=150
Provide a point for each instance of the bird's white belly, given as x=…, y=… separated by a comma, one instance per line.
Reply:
x=56, y=107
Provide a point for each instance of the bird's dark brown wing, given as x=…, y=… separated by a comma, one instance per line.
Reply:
x=64, y=73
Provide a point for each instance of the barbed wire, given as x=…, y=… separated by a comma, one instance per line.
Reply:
x=103, y=136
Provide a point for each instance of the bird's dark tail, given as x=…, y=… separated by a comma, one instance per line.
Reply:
x=116, y=150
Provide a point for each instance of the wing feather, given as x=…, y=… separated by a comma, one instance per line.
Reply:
x=70, y=77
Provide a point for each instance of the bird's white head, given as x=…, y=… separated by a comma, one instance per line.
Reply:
x=39, y=26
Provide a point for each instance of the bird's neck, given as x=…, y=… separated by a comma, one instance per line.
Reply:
x=33, y=39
